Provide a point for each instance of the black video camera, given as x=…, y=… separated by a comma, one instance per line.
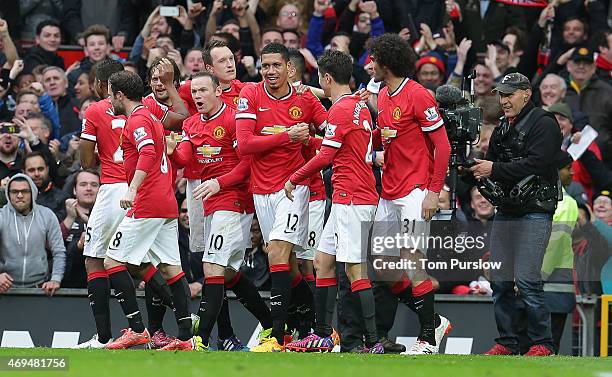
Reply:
x=461, y=117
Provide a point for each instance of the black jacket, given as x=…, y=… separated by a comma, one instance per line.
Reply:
x=36, y=56
x=541, y=152
x=68, y=110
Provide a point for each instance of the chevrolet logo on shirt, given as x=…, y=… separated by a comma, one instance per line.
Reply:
x=273, y=130
x=388, y=133
x=208, y=151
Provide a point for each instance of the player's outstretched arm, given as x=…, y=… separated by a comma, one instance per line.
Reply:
x=238, y=175
x=442, y=151
x=315, y=165
x=182, y=154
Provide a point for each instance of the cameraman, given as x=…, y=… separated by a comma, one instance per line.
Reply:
x=521, y=165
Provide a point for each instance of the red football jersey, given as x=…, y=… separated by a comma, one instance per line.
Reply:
x=349, y=128
x=155, y=197
x=103, y=127
x=270, y=116
x=404, y=117
x=212, y=144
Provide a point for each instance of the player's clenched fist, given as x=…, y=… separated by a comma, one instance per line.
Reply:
x=128, y=199
x=206, y=189
x=298, y=132
x=289, y=187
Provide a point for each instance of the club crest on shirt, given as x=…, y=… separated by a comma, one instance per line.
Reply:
x=243, y=104
x=139, y=133
x=236, y=100
x=431, y=114
x=397, y=113
x=295, y=112
x=219, y=132
x=208, y=151
x=330, y=131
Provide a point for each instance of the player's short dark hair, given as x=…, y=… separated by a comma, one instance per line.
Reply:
x=231, y=41
x=394, y=53
x=213, y=78
x=298, y=61
x=337, y=64
x=97, y=30
x=47, y=22
x=276, y=48
x=88, y=170
x=212, y=44
x=129, y=83
x=177, y=71
x=103, y=69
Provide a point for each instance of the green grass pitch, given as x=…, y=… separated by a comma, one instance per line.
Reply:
x=137, y=363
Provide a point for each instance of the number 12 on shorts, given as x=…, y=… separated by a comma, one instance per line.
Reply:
x=292, y=222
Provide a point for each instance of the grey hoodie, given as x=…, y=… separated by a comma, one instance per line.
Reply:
x=24, y=240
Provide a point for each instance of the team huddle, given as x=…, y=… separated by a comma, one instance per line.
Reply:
x=252, y=148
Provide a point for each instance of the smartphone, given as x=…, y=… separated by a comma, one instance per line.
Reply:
x=10, y=128
x=169, y=11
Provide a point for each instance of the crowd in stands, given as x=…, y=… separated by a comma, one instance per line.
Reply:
x=564, y=48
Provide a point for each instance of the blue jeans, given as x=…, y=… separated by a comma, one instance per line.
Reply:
x=519, y=243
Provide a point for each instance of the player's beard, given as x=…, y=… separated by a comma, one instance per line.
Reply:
x=118, y=108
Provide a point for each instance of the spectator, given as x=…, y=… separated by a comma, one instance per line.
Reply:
x=255, y=266
x=10, y=156
x=33, y=12
x=80, y=14
x=44, y=104
x=591, y=96
x=602, y=208
x=55, y=83
x=430, y=71
x=552, y=89
x=484, y=20
x=97, y=47
x=73, y=226
x=26, y=231
x=291, y=38
x=604, y=60
x=574, y=189
x=360, y=20
x=82, y=89
x=9, y=55
x=581, y=175
x=183, y=36
x=243, y=25
x=36, y=167
x=289, y=16
x=48, y=39
x=193, y=63
x=558, y=264
x=191, y=262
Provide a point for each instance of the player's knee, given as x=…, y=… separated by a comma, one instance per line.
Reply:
x=324, y=265
x=94, y=264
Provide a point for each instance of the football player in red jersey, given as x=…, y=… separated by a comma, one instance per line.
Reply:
x=210, y=139
x=271, y=123
x=102, y=128
x=164, y=100
x=412, y=132
x=348, y=145
x=149, y=229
